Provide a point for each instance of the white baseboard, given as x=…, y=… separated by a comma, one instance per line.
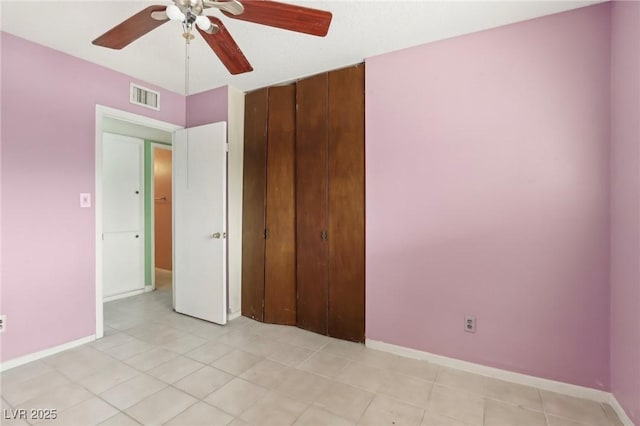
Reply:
x=149, y=288
x=233, y=315
x=510, y=376
x=123, y=295
x=624, y=418
x=12, y=363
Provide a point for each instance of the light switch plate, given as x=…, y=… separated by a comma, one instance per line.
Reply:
x=85, y=200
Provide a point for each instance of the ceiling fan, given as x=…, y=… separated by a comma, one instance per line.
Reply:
x=189, y=12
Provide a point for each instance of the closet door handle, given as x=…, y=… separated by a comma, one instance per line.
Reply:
x=323, y=235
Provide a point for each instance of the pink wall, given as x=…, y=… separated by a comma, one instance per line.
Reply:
x=487, y=194
x=48, y=139
x=208, y=107
x=625, y=207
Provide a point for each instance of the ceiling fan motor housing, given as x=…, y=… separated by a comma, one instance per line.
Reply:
x=190, y=7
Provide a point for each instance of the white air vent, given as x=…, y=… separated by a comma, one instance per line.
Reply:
x=144, y=97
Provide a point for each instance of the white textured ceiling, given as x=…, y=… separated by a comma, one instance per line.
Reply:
x=359, y=29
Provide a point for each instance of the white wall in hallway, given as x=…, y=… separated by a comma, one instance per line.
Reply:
x=236, y=150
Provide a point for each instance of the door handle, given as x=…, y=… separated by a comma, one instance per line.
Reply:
x=217, y=235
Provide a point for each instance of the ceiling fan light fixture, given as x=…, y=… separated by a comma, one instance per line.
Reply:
x=203, y=22
x=174, y=13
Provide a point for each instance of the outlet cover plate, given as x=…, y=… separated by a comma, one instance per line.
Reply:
x=470, y=323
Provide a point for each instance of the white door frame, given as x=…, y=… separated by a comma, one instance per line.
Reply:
x=101, y=113
x=154, y=146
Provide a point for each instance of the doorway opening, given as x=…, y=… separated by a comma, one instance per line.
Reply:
x=160, y=217
x=125, y=205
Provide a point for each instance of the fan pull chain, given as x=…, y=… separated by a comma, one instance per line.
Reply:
x=186, y=65
x=186, y=94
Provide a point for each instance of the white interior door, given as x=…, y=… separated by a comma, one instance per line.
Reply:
x=200, y=223
x=123, y=239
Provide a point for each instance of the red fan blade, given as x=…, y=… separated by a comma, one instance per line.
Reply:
x=286, y=16
x=226, y=48
x=131, y=29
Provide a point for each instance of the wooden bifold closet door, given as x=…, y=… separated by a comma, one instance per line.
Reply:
x=280, y=252
x=346, y=204
x=268, y=235
x=254, y=198
x=330, y=203
x=312, y=203
x=303, y=212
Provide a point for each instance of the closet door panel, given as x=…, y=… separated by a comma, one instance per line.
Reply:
x=346, y=204
x=253, y=204
x=280, y=266
x=311, y=203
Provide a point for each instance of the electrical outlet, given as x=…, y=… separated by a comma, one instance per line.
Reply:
x=3, y=323
x=470, y=324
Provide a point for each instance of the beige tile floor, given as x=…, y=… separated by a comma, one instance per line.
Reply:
x=157, y=367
